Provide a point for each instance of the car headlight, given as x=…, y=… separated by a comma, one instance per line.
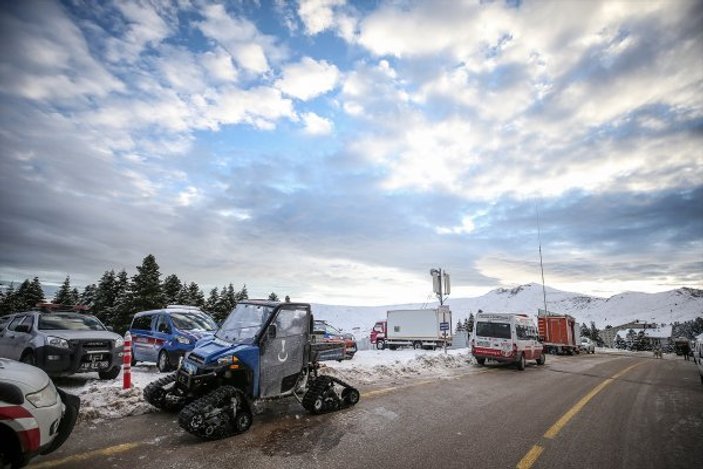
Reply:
x=44, y=398
x=56, y=342
x=119, y=343
x=183, y=340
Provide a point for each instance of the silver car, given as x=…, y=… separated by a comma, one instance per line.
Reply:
x=61, y=343
x=587, y=345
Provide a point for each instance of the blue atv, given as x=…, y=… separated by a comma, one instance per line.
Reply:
x=263, y=350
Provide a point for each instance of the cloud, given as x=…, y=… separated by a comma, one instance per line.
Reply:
x=308, y=78
x=45, y=56
x=143, y=27
x=318, y=15
x=239, y=37
x=316, y=125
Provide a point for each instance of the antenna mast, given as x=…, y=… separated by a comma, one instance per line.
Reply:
x=541, y=266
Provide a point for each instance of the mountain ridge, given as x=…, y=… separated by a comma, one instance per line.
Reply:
x=681, y=304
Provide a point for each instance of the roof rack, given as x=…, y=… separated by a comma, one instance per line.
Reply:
x=58, y=308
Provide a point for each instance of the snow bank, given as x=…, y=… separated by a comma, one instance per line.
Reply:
x=101, y=400
x=377, y=366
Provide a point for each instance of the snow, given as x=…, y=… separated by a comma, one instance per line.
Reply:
x=102, y=400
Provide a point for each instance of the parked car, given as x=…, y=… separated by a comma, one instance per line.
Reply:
x=164, y=336
x=332, y=334
x=506, y=337
x=62, y=343
x=35, y=416
x=587, y=345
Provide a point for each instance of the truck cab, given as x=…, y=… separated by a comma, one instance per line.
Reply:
x=507, y=338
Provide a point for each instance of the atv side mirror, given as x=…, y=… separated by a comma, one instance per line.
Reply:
x=272, y=331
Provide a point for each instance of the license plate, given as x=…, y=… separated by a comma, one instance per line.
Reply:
x=483, y=343
x=97, y=365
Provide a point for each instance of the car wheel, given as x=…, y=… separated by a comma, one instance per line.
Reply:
x=162, y=363
x=521, y=362
x=481, y=361
x=10, y=449
x=109, y=374
x=417, y=345
x=542, y=358
x=28, y=358
x=380, y=344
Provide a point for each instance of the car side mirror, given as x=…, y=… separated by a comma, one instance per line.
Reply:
x=23, y=328
x=272, y=331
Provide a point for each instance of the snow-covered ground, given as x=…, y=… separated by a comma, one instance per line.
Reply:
x=107, y=400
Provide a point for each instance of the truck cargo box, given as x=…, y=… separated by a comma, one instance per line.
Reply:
x=558, y=332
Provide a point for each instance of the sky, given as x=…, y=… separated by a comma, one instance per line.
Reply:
x=336, y=151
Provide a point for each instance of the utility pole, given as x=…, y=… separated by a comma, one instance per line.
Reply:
x=441, y=286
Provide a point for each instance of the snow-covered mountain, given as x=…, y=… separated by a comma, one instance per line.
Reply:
x=680, y=305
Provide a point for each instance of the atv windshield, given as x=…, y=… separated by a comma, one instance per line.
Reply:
x=244, y=322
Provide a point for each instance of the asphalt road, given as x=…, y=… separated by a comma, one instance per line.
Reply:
x=587, y=411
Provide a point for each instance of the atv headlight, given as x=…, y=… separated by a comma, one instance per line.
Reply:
x=230, y=360
x=183, y=340
x=119, y=343
x=56, y=342
x=44, y=398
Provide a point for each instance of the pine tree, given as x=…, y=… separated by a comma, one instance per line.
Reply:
x=243, y=294
x=75, y=296
x=212, y=300
x=64, y=294
x=104, y=296
x=470, y=323
x=120, y=315
x=195, y=295
x=29, y=294
x=146, y=287
x=87, y=298
x=595, y=337
x=585, y=331
x=273, y=297
x=172, y=287
x=11, y=301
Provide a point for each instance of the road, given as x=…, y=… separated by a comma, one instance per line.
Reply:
x=600, y=411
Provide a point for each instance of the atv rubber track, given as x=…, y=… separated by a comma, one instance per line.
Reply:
x=322, y=398
x=211, y=417
x=156, y=395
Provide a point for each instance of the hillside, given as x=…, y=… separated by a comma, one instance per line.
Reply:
x=680, y=305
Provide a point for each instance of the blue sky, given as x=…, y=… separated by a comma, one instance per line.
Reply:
x=336, y=151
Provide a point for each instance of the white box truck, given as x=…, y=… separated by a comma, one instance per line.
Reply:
x=419, y=328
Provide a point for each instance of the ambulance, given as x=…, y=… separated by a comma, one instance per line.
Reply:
x=506, y=337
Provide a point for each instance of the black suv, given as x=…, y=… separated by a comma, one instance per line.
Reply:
x=61, y=343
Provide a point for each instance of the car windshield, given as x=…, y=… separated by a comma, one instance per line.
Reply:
x=244, y=322
x=69, y=322
x=193, y=322
x=496, y=330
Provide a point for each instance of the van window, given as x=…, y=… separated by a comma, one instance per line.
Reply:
x=142, y=322
x=496, y=330
x=163, y=325
x=522, y=332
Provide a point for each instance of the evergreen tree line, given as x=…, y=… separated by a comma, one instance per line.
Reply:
x=592, y=333
x=116, y=297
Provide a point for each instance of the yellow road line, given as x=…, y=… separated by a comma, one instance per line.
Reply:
x=109, y=451
x=564, y=419
x=531, y=457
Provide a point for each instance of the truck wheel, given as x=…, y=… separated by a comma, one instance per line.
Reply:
x=481, y=361
x=521, y=362
x=162, y=363
x=542, y=358
x=109, y=374
x=417, y=345
x=380, y=344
